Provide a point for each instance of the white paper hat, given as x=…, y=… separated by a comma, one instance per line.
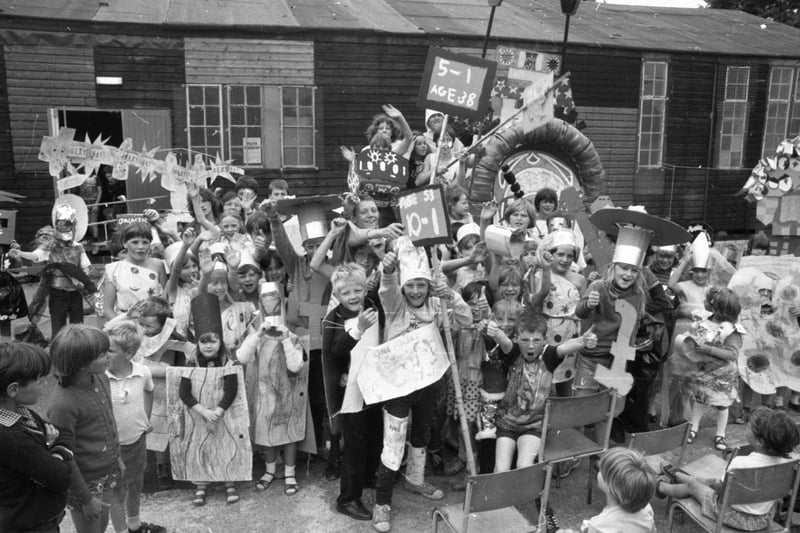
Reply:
x=636, y=230
x=246, y=259
x=171, y=252
x=217, y=248
x=413, y=261
x=554, y=239
x=311, y=213
x=467, y=229
x=701, y=251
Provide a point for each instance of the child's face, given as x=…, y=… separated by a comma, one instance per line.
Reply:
x=507, y=325
x=700, y=276
x=248, y=280
x=435, y=123
x=563, y=256
x=209, y=346
x=625, y=275
x=530, y=344
x=230, y=226
x=150, y=325
x=509, y=291
x=137, y=248
x=460, y=207
x=546, y=207
x=519, y=219
x=664, y=260
x=116, y=355
x=218, y=286
x=276, y=272
x=233, y=204
x=100, y=364
x=351, y=296
x=420, y=145
x=367, y=215
x=205, y=208
x=64, y=226
x=189, y=272
x=30, y=393
x=365, y=259
x=385, y=129
x=277, y=194
x=529, y=257
x=416, y=291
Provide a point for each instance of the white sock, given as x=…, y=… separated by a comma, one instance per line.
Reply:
x=134, y=523
x=288, y=471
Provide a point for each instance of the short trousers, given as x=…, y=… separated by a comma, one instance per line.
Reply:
x=733, y=518
x=584, y=372
x=97, y=488
x=134, y=456
x=514, y=435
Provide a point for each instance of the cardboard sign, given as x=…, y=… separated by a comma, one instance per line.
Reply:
x=126, y=219
x=456, y=84
x=403, y=365
x=424, y=214
x=382, y=174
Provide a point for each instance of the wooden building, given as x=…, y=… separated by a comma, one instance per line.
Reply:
x=679, y=103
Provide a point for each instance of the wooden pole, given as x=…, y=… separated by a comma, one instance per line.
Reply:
x=448, y=337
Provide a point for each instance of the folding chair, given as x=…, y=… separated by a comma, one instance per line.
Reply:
x=654, y=443
x=563, y=436
x=490, y=499
x=746, y=485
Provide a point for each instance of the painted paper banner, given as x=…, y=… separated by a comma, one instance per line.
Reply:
x=539, y=103
x=63, y=153
x=403, y=365
x=353, y=401
x=767, y=287
x=200, y=451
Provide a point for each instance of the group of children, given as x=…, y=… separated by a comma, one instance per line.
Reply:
x=267, y=286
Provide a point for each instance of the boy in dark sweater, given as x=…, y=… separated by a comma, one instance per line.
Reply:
x=34, y=463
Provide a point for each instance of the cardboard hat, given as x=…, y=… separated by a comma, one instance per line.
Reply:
x=701, y=251
x=701, y=228
x=505, y=241
x=171, y=252
x=669, y=248
x=246, y=259
x=559, y=237
x=413, y=261
x=217, y=248
x=220, y=268
x=72, y=207
x=466, y=230
x=311, y=213
x=207, y=315
x=636, y=231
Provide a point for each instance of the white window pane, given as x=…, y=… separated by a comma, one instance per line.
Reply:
x=306, y=157
x=290, y=157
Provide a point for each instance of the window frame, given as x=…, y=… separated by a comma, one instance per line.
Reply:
x=791, y=122
x=734, y=103
x=663, y=99
x=230, y=125
x=189, y=125
x=313, y=126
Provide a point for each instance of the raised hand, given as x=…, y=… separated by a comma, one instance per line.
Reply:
x=270, y=207
x=233, y=259
x=151, y=215
x=206, y=264
x=366, y=318
x=188, y=236
x=338, y=225
x=488, y=210
x=589, y=338
x=393, y=231
x=593, y=299
x=247, y=198
x=389, y=262
x=392, y=111
x=348, y=153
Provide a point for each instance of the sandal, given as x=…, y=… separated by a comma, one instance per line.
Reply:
x=290, y=486
x=199, y=498
x=669, y=472
x=231, y=497
x=692, y=436
x=265, y=481
x=720, y=443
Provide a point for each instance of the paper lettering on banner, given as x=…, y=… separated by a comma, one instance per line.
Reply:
x=403, y=365
x=538, y=102
x=353, y=401
x=768, y=287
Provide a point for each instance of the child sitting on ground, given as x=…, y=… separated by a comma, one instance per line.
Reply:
x=132, y=387
x=773, y=435
x=628, y=483
x=34, y=463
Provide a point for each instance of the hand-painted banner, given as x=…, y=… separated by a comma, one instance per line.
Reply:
x=769, y=291
x=402, y=365
x=63, y=153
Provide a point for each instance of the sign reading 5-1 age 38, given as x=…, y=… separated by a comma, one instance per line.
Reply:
x=456, y=84
x=424, y=214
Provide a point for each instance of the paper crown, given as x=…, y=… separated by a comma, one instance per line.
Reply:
x=206, y=315
x=217, y=248
x=554, y=239
x=467, y=229
x=311, y=213
x=636, y=231
x=246, y=259
x=413, y=261
x=667, y=249
x=72, y=207
x=701, y=251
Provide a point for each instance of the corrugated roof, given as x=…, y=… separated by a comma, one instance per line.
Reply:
x=598, y=25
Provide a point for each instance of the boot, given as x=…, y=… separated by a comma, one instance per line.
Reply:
x=165, y=481
x=415, y=476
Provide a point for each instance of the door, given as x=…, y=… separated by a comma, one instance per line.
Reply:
x=150, y=128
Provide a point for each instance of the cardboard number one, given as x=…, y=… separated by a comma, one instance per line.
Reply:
x=616, y=377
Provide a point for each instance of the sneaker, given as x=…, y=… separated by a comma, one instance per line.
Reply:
x=424, y=489
x=567, y=467
x=551, y=522
x=148, y=528
x=382, y=518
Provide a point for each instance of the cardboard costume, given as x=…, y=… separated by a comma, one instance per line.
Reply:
x=199, y=451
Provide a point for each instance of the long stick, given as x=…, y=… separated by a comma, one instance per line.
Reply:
x=462, y=415
x=516, y=113
x=438, y=151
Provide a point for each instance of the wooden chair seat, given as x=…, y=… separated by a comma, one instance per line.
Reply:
x=569, y=443
x=693, y=510
x=710, y=466
x=508, y=519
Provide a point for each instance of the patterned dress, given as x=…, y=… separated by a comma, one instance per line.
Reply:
x=133, y=283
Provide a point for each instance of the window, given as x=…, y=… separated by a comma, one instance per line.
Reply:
x=733, y=123
x=254, y=125
x=783, y=107
x=298, y=126
x=652, y=114
x=205, y=119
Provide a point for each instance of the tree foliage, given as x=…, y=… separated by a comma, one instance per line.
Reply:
x=785, y=11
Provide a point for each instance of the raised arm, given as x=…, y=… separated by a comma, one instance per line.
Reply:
x=318, y=262
x=282, y=243
x=194, y=196
x=187, y=239
x=395, y=113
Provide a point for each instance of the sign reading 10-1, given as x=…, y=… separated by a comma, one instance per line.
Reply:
x=424, y=214
x=456, y=84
